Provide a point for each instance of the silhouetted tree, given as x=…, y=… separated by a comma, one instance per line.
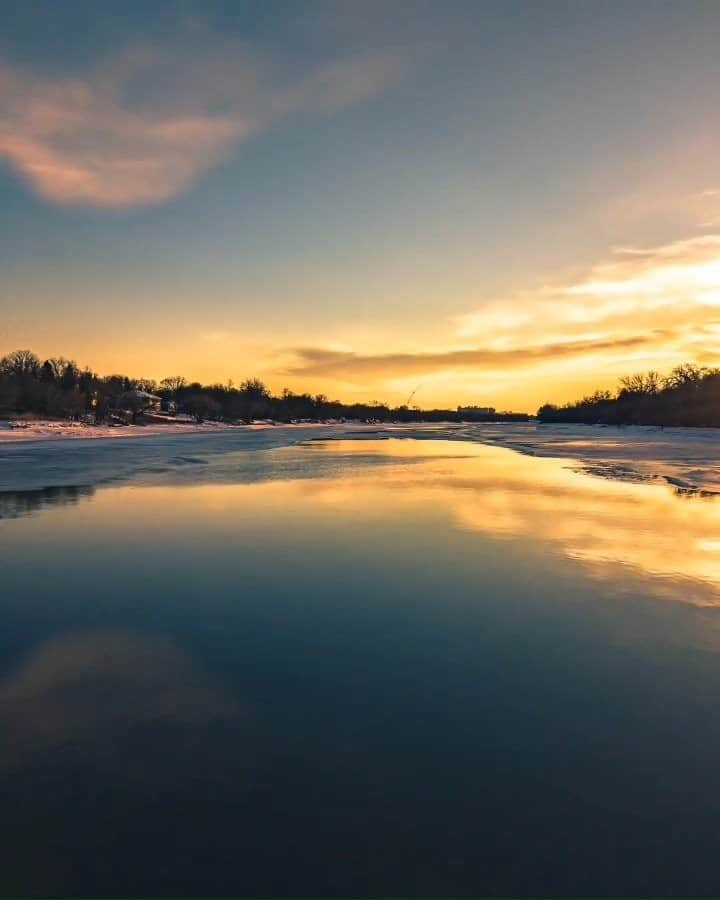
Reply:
x=58, y=387
x=131, y=402
x=202, y=406
x=689, y=395
x=20, y=364
x=173, y=384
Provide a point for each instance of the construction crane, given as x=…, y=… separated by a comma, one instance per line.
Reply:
x=412, y=394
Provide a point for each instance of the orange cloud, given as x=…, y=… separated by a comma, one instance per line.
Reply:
x=334, y=364
x=645, y=308
x=140, y=127
x=677, y=281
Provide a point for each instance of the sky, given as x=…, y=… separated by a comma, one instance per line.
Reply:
x=498, y=204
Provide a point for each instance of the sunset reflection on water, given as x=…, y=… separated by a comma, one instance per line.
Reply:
x=272, y=666
x=649, y=527
x=609, y=526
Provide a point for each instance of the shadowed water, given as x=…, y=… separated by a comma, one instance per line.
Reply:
x=358, y=668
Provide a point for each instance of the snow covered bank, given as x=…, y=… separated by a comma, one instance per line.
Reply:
x=48, y=430
x=37, y=462
x=687, y=458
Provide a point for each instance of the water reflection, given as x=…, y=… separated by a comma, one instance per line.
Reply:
x=91, y=695
x=652, y=529
x=384, y=670
x=24, y=503
x=609, y=526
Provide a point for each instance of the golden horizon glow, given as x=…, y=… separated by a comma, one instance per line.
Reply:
x=340, y=219
x=552, y=344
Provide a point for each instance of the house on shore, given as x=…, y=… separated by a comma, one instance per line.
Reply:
x=149, y=402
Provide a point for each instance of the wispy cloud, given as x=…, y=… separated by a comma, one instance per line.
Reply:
x=670, y=285
x=350, y=366
x=142, y=125
x=657, y=304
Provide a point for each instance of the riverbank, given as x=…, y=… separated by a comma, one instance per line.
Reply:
x=17, y=431
x=686, y=458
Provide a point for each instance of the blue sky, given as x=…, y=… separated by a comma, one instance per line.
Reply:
x=406, y=191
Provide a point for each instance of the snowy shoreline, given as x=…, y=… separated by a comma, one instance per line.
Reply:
x=687, y=459
x=18, y=431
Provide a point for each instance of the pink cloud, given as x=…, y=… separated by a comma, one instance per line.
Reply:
x=138, y=129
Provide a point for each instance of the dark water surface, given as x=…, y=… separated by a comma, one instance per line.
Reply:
x=357, y=667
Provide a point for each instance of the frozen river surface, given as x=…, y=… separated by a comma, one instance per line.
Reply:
x=286, y=662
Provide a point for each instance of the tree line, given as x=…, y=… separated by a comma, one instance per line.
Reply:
x=59, y=388
x=688, y=396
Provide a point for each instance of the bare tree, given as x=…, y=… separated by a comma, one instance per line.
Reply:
x=684, y=375
x=641, y=383
x=21, y=364
x=132, y=403
x=202, y=406
x=174, y=383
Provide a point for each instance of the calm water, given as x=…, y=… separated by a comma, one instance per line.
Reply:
x=357, y=667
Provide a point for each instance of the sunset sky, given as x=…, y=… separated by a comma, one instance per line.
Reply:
x=501, y=203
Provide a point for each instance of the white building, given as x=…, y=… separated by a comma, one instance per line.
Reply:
x=476, y=410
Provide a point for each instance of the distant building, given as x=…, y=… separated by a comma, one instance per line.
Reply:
x=150, y=402
x=476, y=410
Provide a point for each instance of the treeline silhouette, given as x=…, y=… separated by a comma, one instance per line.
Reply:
x=688, y=396
x=58, y=388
